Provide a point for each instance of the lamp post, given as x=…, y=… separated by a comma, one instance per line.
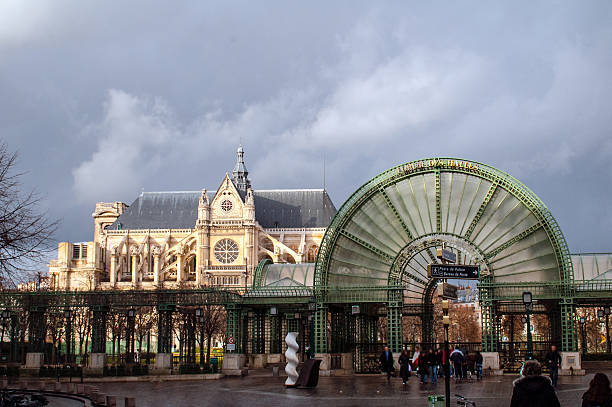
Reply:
x=68, y=317
x=246, y=274
x=600, y=315
x=199, y=315
x=446, y=323
x=131, y=315
x=607, y=313
x=6, y=314
x=582, y=333
x=528, y=302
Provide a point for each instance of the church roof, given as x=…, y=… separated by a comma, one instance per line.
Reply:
x=293, y=208
x=282, y=208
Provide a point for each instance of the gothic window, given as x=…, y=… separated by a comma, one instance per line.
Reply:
x=226, y=251
x=226, y=205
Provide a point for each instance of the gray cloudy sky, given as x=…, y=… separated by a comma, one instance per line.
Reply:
x=103, y=99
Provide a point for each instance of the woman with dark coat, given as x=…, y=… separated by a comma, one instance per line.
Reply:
x=423, y=367
x=404, y=362
x=598, y=394
x=532, y=389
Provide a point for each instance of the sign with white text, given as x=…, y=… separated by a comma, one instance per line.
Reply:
x=459, y=271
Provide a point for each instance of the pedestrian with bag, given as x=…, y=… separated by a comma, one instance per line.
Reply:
x=404, y=363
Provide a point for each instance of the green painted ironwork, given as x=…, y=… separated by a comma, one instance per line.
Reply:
x=519, y=206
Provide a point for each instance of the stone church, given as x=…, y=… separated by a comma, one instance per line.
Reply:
x=191, y=239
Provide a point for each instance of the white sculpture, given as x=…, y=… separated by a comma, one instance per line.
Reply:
x=292, y=359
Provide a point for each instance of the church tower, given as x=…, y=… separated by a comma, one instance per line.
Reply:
x=240, y=174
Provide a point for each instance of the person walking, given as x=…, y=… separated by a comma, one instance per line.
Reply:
x=532, y=389
x=415, y=357
x=553, y=359
x=386, y=362
x=457, y=358
x=422, y=367
x=478, y=363
x=598, y=393
x=404, y=362
x=432, y=362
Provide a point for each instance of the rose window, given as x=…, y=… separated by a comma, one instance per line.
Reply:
x=226, y=251
x=226, y=205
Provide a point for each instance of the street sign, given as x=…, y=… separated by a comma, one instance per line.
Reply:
x=230, y=340
x=231, y=346
x=447, y=255
x=461, y=271
x=447, y=291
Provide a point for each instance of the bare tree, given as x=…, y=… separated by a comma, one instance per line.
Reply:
x=214, y=324
x=82, y=322
x=25, y=232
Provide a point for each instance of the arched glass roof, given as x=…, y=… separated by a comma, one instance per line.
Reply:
x=287, y=275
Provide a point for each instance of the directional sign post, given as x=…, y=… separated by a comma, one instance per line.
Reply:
x=446, y=255
x=447, y=291
x=459, y=271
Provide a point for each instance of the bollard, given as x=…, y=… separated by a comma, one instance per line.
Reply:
x=275, y=371
x=4, y=384
x=130, y=402
x=111, y=401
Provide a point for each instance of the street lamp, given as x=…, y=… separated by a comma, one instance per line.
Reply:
x=446, y=323
x=68, y=317
x=607, y=314
x=131, y=314
x=199, y=313
x=6, y=314
x=528, y=302
x=582, y=332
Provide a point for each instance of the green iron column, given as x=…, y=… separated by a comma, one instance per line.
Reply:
x=257, y=331
x=37, y=329
x=320, y=329
x=490, y=336
x=164, y=328
x=427, y=324
x=14, y=350
x=275, y=334
x=394, y=324
x=568, y=333
x=234, y=324
x=98, y=330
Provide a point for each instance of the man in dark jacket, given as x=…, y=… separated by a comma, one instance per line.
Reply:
x=457, y=358
x=553, y=358
x=532, y=389
x=386, y=362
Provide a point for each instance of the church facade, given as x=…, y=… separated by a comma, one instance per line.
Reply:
x=192, y=239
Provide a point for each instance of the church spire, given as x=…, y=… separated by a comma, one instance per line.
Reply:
x=240, y=174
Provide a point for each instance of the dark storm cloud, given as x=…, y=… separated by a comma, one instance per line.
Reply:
x=105, y=100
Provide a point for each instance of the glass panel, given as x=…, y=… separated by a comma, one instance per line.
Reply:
x=475, y=191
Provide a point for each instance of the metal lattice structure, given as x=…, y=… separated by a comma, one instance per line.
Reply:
x=388, y=230
x=371, y=266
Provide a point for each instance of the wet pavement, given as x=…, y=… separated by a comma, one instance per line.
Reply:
x=261, y=389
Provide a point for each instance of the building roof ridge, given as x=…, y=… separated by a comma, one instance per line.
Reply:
x=291, y=190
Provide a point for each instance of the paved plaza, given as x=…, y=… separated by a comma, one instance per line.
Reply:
x=261, y=389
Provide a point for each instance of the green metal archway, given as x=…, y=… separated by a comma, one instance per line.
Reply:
x=386, y=233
